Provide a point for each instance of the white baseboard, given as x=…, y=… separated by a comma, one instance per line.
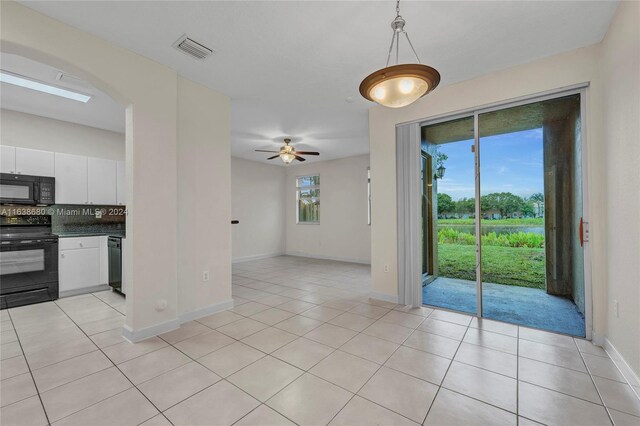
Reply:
x=207, y=310
x=84, y=290
x=323, y=257
x=383, y=296
x=148, y=332
x=174, y=324
x=627, y=372
x=256, y=257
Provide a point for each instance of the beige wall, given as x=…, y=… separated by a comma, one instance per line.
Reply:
x=621, y=77
x=34, y=132
x=150, y=93
x=258, y=202
x=343, y=232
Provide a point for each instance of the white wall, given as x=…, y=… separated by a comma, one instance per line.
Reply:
x=35, y=132
x=258, y=202
x=621, y=77
x=343, y=232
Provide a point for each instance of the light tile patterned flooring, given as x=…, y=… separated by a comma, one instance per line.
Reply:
x=303, y=345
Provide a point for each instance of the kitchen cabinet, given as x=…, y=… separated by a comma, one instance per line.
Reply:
x=121, y=183
x=80, y=264
x=34, y=162
x=71, y=179
x=101, y=181
x=7, y=159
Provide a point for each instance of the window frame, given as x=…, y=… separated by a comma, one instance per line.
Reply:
x=304, y=188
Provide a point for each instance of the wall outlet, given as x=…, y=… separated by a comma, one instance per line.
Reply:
x=616, y=309
x=386, y=267
x=205, y=276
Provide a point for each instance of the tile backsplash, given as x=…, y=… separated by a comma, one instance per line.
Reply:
x=67, y=219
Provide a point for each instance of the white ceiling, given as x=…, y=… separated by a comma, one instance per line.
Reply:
x=290, y=66
x=100, y=111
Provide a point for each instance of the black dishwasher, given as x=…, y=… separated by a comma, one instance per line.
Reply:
x=115, y=263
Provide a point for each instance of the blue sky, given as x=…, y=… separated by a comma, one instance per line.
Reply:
x=510, y=162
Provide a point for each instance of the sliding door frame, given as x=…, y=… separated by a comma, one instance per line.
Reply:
x=579, y=89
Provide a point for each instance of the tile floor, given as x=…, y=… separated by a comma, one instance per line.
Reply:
x=303, y=345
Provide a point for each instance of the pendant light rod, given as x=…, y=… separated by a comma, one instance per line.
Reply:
x=398, y=28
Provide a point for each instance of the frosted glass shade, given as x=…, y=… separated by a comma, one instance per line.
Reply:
x=399, y=85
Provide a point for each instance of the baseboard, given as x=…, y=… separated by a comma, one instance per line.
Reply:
x=323, y=257
x=383, y=296
x=84, y=290
x=207, y=310
x=627, y=372
x=256, y=257
x=146, y=333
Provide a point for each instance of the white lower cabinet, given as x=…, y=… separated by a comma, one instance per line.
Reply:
x=81, y=264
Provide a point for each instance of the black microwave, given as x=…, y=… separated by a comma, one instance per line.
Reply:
x=27, y=190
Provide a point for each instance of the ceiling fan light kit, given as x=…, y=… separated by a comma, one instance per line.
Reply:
x=399, y=85
x=288, y=153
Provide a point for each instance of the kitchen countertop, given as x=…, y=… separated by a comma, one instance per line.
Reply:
x=90, y=234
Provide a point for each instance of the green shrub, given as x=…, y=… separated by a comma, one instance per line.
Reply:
x=516, y=239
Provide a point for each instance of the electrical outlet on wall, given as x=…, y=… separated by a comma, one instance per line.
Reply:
x=386, y=267
x=205, y=275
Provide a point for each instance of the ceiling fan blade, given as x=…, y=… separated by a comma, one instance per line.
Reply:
x=307, y=153
x=264, y=150
x=300, y=158
x=275, y=156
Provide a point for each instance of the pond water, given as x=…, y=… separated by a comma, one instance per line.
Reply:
x=498, y=229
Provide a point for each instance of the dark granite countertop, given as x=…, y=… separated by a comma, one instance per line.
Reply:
x=90, y=234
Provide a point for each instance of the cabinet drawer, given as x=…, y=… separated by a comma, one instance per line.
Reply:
x=78, y=243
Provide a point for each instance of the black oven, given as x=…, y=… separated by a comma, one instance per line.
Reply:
x=29, y=190
x=28, y=261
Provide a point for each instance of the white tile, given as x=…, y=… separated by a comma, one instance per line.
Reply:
x=618, y=396
x=202, y=344
x=401, y=393
x=16, y=389
x=322, y=313
x=158, y=420
x=453, y=409
x=331, y=335
x=250, y=308
x=483, y=385
x=432, y=343
x=453, y=317
x=559, y=379
x=221, y=318
x=494, y=326
x=264, y=416
x=231, y=358
x=422, y=365
x=296, y=306
x=548, y=338
x=489, y=359
x=242, y=328
x=265, y=377
x=588, y=347
x=345, y=370
x=13, y=367
x=108, y=338
x=27, y=412
x=352, y=321
x=310, y=401
x=360, y=412
x=553, y=408
x=624, y=419
x=552, y=355
x=125, y=351
x=272, y=316
x=443, y=328
x=150, y=365
x=127, y=408
x=370, y=311
x=59, y=352
x=299, y=325
x=220, y=404
x=370, y=348
x=72, y=369
x=177, y=385
x=488, y=339
x=186, y=330
x=603, y=367
x=403, y=319
x=388, y=331
x=303, y=353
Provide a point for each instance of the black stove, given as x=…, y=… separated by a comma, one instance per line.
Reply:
x=28, y=261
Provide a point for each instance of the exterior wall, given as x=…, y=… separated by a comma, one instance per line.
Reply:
x=258, y=202
x=621, y=77
x=34, y=132
x=343, y=232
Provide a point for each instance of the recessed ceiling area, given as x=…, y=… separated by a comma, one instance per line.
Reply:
x=100, y=111
x=290, y=67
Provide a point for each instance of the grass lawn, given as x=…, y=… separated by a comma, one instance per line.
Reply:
x=524, y=267
x=508, y=222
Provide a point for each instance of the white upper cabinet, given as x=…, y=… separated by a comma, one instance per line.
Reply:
x=102, y=181
x=35, y=162
x=121, y=183
x=7, y=159
x=71, y=179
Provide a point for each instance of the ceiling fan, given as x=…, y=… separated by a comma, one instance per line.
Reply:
x=288, y=153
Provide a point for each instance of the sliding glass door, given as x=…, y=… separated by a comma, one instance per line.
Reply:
x=507, y=215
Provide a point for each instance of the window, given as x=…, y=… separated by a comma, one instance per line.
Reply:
x=308, y=199
x=368, y=196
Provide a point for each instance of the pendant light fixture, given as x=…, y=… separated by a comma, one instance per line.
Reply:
x=401, y=84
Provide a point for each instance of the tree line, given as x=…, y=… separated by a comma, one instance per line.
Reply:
x=504, y=202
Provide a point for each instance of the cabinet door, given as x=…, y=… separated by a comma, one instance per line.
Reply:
x=7, y=159
x=79, y=268
x=121, y=183
x=102, y=181
x=71, y=179
x=35, y=162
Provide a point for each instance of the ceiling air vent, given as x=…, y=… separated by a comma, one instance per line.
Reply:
x=192, y=48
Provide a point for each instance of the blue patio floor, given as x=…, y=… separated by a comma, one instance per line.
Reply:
x=530, y=307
